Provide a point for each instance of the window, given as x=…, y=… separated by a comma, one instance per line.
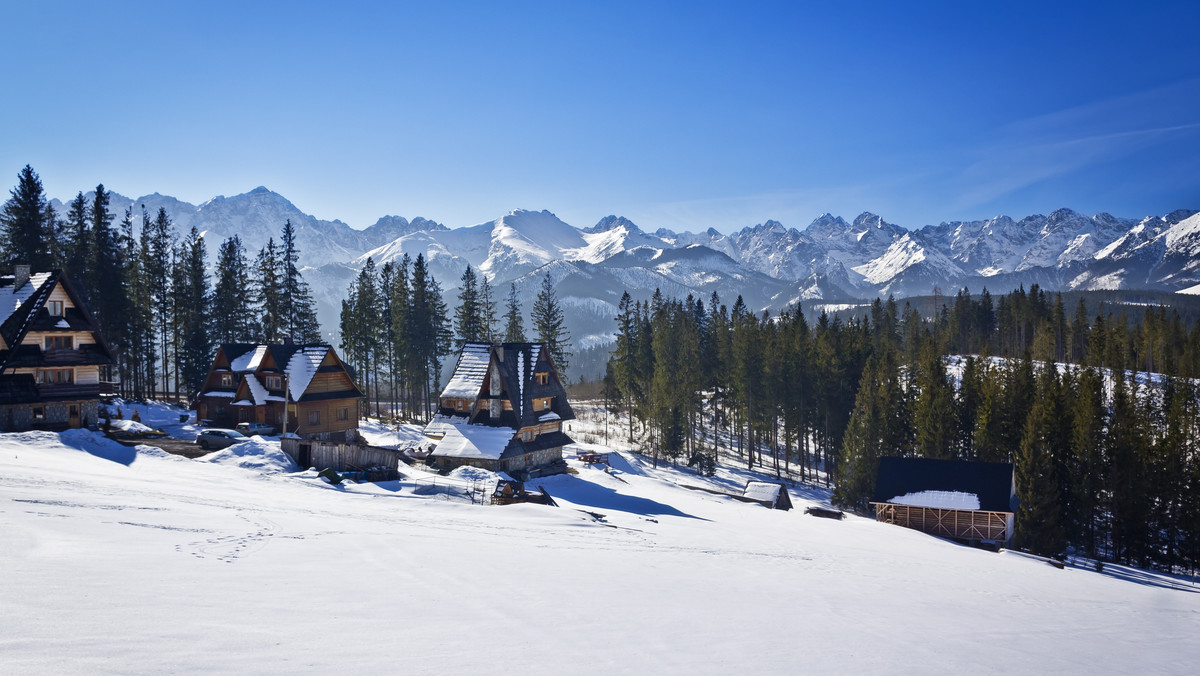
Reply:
x=543, y=378
x=55, y=376
x=546, y=404
x=274, y=382
x=314, y=417
x=55, y=307
x=59, y=343
x=526, y=435
x=39, y=412
x=226, y=380
x=343, y=413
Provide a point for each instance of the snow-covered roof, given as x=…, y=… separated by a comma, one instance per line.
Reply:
x=219, y=393
x=441, y=424
x=548, y=417
x=11, y=299
x=250, y=360
x=938, y=500
x=470, y=372
x=242, y=402
x=302, y=367
x=762, y=490
x=62, y=324
x=473, y=441
x=256, y=389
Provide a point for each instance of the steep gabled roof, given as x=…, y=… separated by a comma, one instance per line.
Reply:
x=470, y=371
x=21, y=307
x=518, y=363
x=990, y=481
x=298, y=362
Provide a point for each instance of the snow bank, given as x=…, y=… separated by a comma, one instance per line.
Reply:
x=256, y=454
x=380, y=435
x=938, y=500
x=475, y=475
x=131, y=426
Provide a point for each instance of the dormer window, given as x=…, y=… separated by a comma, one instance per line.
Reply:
x=274, y=382
x=55, y=307
x=226, y=380
x=543, y=377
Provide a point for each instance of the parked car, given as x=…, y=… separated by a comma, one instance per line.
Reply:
x=252, y=428
x=215, y=437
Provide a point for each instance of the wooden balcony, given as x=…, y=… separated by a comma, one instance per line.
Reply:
x=68, y=391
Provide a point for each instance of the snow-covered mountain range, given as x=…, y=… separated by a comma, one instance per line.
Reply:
x=771, y=266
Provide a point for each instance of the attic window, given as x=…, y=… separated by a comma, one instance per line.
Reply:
x=527, y=435
x=543, y=377
x=546, y=404
x=226, y=380
x=59, y=342
x=55, y=307
x=274, y=382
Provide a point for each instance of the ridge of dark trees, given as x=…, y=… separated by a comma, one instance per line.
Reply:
x=1105, y=455
x=149, y=288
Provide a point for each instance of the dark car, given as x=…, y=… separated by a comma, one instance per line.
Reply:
x=215, y=437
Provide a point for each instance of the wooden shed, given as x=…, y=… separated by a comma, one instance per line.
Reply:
x=771, y=494
x=968, y=501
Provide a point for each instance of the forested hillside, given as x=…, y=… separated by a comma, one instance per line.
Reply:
x=1097, y=412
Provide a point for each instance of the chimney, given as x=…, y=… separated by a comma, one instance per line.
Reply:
x=20, y=276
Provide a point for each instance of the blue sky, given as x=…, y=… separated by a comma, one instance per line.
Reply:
x=681, y=115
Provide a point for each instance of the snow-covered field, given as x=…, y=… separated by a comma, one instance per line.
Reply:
x=116, y=560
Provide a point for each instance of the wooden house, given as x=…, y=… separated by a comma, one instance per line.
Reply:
x=771, y=494
x=969, y=501
x=258, y=383
x=502, y=410
x=52, y=356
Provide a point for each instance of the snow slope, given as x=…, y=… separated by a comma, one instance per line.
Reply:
x=119, y=560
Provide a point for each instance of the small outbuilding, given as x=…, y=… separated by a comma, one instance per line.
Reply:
x=770, y=494
x=968, y=501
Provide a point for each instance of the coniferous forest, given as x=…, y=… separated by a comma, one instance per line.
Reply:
x=1098, y=413
x=149, y=289
x=1096, y=410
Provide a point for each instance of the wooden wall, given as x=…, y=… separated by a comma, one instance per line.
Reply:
x=952, y=523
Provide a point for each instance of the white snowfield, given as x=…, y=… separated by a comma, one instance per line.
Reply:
x=115, y=560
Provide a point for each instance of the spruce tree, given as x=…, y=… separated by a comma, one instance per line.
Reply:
x=487, y=304
x=268, y=296
x=549, y=325
x=27, y=224
x=933, y=410
x=231, y=313
x=298, y=311
x=468, y=317
x=1039, y=521
x=159, y=248
x=193, y=299
x=79, y=254
x=514, y=322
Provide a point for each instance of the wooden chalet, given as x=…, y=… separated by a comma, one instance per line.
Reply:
x=969, y=501
x=254, y=383
x=502, y=410
x=52, y=356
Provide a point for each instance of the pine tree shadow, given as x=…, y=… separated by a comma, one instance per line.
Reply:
x=587, y=494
